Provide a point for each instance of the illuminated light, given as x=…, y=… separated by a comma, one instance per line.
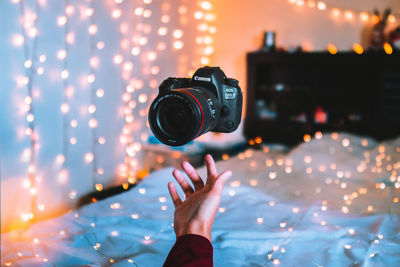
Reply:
x=260, y=220
x=102, y=140
x=345, y=209
x=198, y=15
x=307, y=138
x=30, y=117
x=364, y=16
x=89, y=12
x=358, y=48
x=205, y=60
x=155, y=70
x=206, y=5
x=282, y=224
x=388, y=48
x=300, y=2
x=74, y=123
x=364, y=142
x=72, y=194
x=116, y=13
x=345, y=142
x=152, y=56
x=292, y=1
x=208, y=50
x=178, y=44
x=28, y=131
x=348, y=15
x=69, y=10
x=64, y=108
x=271, y=203
x=94, y=62
x=332, y=49
x=40, y=71
x=64, y=74
x=311, y=4
x=92, y=29
x=89, y=157
x=93, y=123
x=391, y=18
x=33, y=191
x=60, y=159
x=18, y=40
x=178, y=34
x=115, y=206
x=33, y=32
x=99, y=187
x=395, y=200
x=272, y=175
x=100, y=45
x=162, y=199
x=295, y=210
x=221, y=210
x=336, y=12
x=28, y=100
x=323, y=223
x=91, y=78
x=26, y=183
x=128, y=66
x=324, y=208
x=100, y=93
x=147, y=13
x=307, y=159
x=165, y=19
x=139, y=11
x=26, y=216
x=100, y=171
x=92, y=109
x=63, y=177
x=253, y=182
x=321, y=6
x=235, y=183
x=70, y=38
x=135, y=51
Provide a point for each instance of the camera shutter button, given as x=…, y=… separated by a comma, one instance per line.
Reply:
x=224, y=111
x=232, y=82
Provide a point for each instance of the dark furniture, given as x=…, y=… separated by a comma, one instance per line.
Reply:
x=293, y=94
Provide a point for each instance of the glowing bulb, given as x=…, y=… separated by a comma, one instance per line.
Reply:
x=116, y=13
x=348, y=15
x=388, y=48
x=139, y=11
x=206, y=5
x=321, y=6
x=336, y=12
x=142, y=98
x=64, y=74
x=102, y=140
x=93, y=123
x=178, y=34
x=151, y=56
x=30, y=117
x=18, y=40
x=364, y=16
x=69, y=10
x=92, y=109
x=42, y=58
x=165, y=19
x=89, y=12
x=100, y=93
x=70, y=38
x=128, y=66
x=198, y=15
x=392, y=18
x=94, y=62
x=178, y=44
x=358, y=49
x=89, y=157
x=73, y=140
x=117, y=59
x=147, y=13
x=64, y=108
x=91, y=78
x=100, y=45
x=99, y=187
x=61, y=20
x=61, y=54
x=92, y=29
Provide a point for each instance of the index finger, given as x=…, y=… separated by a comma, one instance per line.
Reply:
x=211, y=169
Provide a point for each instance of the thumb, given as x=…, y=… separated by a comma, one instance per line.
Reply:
x=221, y=180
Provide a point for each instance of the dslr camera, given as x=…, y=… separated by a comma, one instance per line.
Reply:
x=186, y=108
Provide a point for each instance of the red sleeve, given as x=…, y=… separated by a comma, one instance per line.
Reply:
x=190, y=251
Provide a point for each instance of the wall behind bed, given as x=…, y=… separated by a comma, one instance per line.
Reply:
x=76, y=80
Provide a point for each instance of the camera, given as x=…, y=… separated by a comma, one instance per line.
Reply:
x=186, y=108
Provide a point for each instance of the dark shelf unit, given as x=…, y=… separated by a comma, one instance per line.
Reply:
x=292, y=94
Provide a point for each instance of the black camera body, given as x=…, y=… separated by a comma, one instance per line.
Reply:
x=185, y=108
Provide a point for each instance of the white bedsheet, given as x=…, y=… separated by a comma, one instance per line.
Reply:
x=295, y=212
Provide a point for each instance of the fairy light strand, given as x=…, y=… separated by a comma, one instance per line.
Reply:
x=30, y=74
x=93, y=123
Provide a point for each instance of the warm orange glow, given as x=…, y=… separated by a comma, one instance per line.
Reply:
x=99, y=187
x=307, y=138
x=392, y=18
x=332, y=49
x=375, y=19
x=364, y=16
x=321, y=6
x=358, y=48
x=336, y=12
x=388, y=48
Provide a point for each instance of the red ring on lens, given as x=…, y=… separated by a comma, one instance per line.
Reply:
x=202, y=114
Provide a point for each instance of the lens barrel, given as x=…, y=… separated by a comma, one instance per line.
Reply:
x=181, y=115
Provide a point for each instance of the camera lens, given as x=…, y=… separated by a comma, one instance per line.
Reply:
x=181, y=115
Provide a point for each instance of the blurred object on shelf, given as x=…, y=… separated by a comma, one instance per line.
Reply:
x=378, y=36
x=394, y=38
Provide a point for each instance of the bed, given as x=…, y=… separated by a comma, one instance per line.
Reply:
x=333, y=201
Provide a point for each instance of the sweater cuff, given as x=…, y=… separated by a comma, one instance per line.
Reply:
x=190, y=250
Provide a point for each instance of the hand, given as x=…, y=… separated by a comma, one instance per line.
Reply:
x=196, y=214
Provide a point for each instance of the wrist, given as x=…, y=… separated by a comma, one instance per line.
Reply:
x=201, y=229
